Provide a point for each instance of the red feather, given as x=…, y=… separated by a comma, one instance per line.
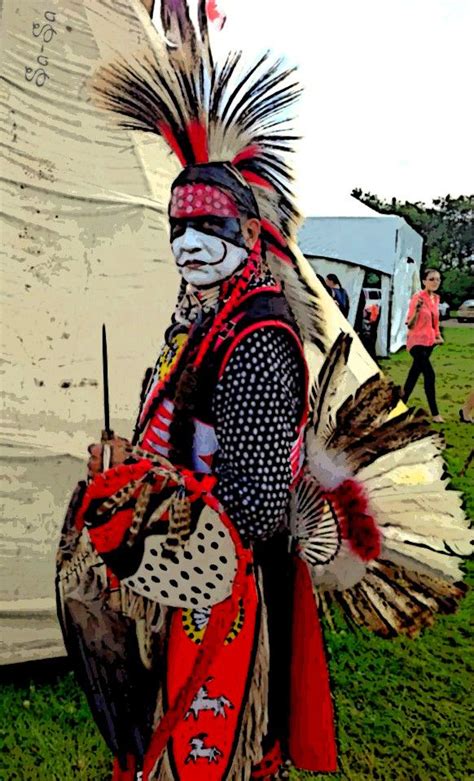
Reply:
x=247, y=154
x=197, y=135
x=214, y=15
x=165, y=130
x=252, y=178
x=280, y=254
x=270, y=228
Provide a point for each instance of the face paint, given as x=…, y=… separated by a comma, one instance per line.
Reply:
x=206, y=233
x=225, y=228
x=204, y=259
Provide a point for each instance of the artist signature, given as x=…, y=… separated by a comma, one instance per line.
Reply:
x=46, y=32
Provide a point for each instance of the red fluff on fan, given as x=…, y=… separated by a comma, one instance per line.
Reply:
x=358, y=525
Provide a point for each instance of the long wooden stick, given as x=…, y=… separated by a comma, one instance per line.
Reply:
x=107, y=432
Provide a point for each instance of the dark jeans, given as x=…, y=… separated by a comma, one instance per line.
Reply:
x=421, y=365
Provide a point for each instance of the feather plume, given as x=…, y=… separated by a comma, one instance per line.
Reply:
x=365, y=411
x=238, y=109
x=326, y=387
x=221, y=111
x=390, y=436
x=141, y=507
x=392, y=600
x=121, y=497
x=309, y=507
x=102, y=644
x=421, y=452
x=179, y=528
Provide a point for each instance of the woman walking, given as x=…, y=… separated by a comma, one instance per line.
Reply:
x=423, y=334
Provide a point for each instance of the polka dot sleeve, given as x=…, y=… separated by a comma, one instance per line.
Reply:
x=257, y=405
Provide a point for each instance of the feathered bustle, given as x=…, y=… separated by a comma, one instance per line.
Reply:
x=394, y=583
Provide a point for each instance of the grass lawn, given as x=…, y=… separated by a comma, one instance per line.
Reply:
x=402, y=705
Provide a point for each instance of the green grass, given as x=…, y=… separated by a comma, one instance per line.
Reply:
x=402, y=705
x=454, y=366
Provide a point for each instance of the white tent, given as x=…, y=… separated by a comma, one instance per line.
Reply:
x=348, y=245
x=84, y=235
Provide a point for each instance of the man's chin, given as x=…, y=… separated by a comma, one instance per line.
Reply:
x=207, y=275
x=200, y=277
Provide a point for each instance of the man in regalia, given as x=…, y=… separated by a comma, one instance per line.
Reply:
x=188, y=564
x=227, y=399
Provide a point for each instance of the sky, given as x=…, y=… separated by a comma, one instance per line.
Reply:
x=388, y=92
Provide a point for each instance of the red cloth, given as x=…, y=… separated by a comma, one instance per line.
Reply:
x=373, y=311
x=312, y=742
x=219, y=624
x=109, y=536
x=230, y=668
x=124, y=775
x=426, y=328
x=105, y=484
x=200, y=200
x=269, y=764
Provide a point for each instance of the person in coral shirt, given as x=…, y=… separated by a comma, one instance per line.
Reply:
x=423, y=334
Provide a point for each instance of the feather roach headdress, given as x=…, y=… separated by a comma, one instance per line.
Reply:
x=225, y=121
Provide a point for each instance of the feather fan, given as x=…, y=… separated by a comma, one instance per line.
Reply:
x=395, y=467
x=103, y=644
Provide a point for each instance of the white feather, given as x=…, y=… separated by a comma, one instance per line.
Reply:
x=424, y=451
x=329, y=468
x=343, y=572
x=460, y=546
x=423, y=560
x=421, y=522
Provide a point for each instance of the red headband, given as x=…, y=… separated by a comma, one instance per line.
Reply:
x=200, y=200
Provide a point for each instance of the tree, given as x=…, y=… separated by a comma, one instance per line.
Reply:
x=458, y=286
x=447, y=227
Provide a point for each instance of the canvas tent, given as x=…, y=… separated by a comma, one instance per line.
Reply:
x=84, y=237
x=348, y=246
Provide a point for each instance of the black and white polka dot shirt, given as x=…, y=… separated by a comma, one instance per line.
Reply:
x=257, y=407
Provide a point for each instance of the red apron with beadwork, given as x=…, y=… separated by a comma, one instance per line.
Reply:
x=203, y=744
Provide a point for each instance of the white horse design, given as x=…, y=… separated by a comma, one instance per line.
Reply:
x=200, y=751
x=202, y=702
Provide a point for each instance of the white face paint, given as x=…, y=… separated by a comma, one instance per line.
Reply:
x=205, y=260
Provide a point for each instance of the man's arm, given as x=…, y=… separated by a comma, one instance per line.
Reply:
x=257, y=406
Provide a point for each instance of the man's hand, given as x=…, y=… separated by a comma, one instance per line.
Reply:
x=120, y=450
x=439, y=340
